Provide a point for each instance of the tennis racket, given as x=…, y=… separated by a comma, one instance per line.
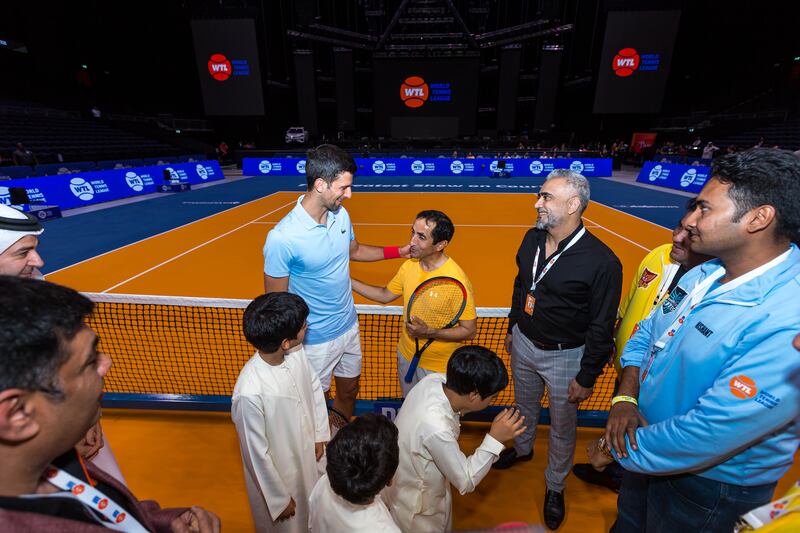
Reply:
x=439, y=303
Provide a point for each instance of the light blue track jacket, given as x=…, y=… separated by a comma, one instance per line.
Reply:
x=722, y=399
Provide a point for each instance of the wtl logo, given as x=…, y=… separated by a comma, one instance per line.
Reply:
x=414, y=91
x=625, y=62
x=628, y=60
x=220, y=68
x=743, y=387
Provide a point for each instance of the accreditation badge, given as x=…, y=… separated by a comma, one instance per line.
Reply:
x=530, y=303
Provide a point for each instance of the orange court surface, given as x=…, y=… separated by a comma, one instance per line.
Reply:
x=220, y=256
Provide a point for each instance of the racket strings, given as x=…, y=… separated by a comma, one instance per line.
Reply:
x=437, y=304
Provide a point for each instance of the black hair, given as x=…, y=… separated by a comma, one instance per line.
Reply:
x=272, y=318
x=763, y=176
x=444, y=230
x=327, y=162
x=37, y=319
x=476, y=369
x=363, y=457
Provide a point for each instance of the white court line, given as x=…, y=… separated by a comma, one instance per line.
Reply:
x=518, y=193
x=160, y=234
x=456, y=225
x=196, y=247
x=634, y=216
x=596, y=225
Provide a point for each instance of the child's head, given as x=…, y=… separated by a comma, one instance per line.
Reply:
x=275, y=321
x=362, y=458
x=478, y=373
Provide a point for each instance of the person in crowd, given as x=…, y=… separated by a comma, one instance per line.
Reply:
x=19, y=256
x=658, y=274
x=23, y=157
x=308, y=253
x=280, y=415
x=560, y=332
x=51, y=384
x=362, y=459
x=705, y=420
x=431, y=232
x=428, y=424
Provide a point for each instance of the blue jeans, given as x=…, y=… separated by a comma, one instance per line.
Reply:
x=684, y=503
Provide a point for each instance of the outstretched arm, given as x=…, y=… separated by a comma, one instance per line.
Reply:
x=366, y=252
x=376, y=294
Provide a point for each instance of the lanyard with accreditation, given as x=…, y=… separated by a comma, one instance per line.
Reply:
x=115, y=516
x=530, y=301
x=697, y=295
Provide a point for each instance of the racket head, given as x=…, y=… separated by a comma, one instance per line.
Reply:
x=438, y=301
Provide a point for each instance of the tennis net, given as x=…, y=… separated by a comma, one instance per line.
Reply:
x=189, y=351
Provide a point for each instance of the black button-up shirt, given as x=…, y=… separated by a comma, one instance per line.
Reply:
x=576, y=301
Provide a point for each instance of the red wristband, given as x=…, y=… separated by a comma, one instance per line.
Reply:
x=391, y=252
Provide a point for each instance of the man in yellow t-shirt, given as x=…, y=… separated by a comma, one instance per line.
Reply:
x=431, y=232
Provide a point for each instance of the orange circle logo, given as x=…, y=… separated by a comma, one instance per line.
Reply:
x=743, y=387
x=219, y=67
x=625, y=62
x=77, y=489
x=414, y=91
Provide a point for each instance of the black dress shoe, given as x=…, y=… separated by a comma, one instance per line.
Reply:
x=508, y=457
x=553, y=509
x=586, y=472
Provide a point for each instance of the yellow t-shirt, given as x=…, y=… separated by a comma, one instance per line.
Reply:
x=638, y=302
x=408, y=278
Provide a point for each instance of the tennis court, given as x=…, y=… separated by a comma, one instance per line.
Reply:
x=192, y=347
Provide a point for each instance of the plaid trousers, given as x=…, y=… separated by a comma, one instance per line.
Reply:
x=533, y=370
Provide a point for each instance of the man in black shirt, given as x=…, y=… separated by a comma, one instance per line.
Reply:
x=560, y=326
x=51, y=383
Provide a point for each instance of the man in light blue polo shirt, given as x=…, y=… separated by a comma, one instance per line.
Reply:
x=308, y=254
x=710, y=378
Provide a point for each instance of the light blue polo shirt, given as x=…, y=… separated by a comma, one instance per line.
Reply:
x=316, y=257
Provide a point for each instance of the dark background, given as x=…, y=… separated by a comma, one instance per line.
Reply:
x=433, y=118
x=235, y=39
x=650, y=32
x=138, y=57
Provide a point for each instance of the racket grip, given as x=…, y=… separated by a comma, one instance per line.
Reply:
x=412, y=368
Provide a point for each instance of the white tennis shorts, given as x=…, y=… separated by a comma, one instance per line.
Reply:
x=340, y=357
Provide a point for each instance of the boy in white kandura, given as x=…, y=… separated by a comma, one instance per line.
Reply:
x=280, y=415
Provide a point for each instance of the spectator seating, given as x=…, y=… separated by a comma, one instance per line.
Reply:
x=785, y=134
x=48, y=133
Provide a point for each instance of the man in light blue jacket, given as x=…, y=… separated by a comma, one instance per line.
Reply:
x=707, y=415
